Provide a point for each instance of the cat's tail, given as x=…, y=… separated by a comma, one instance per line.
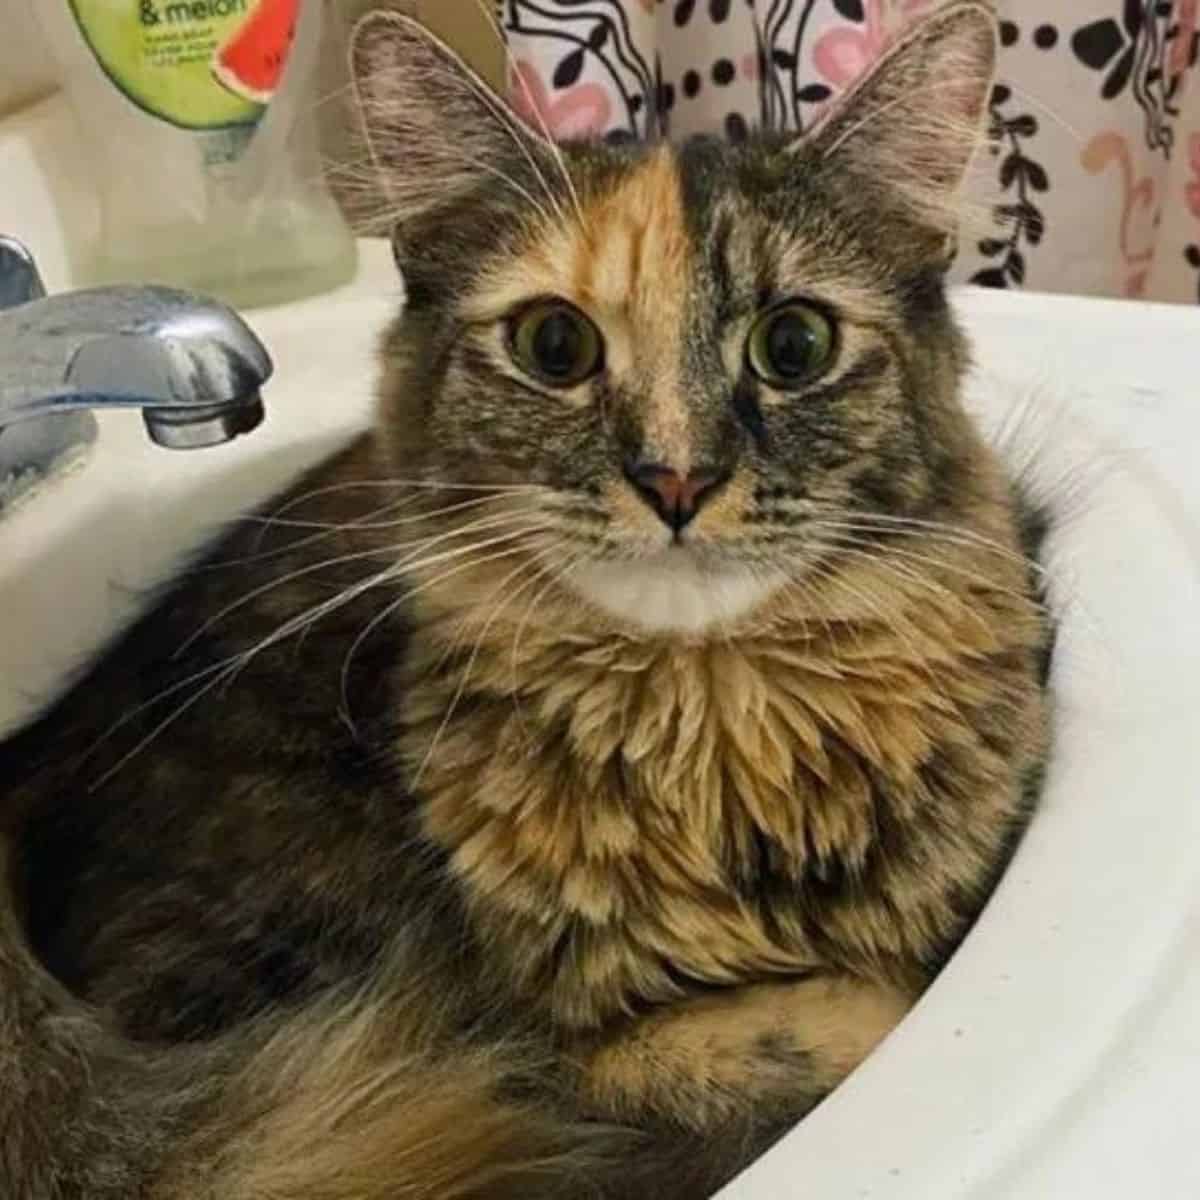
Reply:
x=349, y=1105
x=344, y=1101
x=82, y=1113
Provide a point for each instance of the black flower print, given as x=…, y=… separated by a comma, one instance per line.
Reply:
x=788, y=98
x=1021, y=179
x=598, y=33
x=1147, y=51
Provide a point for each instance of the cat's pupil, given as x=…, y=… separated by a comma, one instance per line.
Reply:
x=558, y=345
x=790, y=345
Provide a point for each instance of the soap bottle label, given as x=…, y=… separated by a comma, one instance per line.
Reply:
x=198, y=64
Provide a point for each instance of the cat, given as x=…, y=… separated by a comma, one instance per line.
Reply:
x=565, y=786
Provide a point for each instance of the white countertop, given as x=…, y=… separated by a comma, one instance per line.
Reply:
x=1059, y=1054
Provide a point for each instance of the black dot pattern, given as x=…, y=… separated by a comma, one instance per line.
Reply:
x=710, y=58
x=1045, y=37
x=672, y=68
x=683, y=11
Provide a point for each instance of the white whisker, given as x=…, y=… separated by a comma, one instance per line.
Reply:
x=905, y=574
x=369, y=523
x=326, y=529
x=490, y=521
x=981, y=581
x=389, y=609
x=466, y=673
x=871, y=522
x=543, y=128
x=553, y=573
x=229, y=668
x=512, y=126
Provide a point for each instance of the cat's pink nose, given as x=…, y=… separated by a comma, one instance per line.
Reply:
x=676, y=499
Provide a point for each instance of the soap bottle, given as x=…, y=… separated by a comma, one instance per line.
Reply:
x=199, y=119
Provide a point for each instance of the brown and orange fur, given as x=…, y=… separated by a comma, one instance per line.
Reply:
x=464, y=832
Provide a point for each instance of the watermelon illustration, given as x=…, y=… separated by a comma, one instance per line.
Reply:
x=159, y=54
x=250, y=61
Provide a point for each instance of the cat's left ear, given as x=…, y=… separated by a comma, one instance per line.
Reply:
x=909, y=129
x=434, y=129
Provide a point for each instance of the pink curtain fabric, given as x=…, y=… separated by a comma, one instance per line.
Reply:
x=1093, y=168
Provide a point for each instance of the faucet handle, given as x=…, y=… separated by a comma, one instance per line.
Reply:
x=19, y=278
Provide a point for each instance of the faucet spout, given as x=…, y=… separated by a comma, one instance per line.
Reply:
x=191, y=365
x=20, y=280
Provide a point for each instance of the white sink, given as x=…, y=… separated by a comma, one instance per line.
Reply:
x=1059, y=1053
x=1058, y=1056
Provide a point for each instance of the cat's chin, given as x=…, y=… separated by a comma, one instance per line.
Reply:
x=673, y=592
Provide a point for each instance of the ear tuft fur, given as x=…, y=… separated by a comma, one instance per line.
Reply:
x=434, y=130
x=912, y=125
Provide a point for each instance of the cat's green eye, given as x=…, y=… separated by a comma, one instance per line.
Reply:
x=790, y=344
x=557, y=343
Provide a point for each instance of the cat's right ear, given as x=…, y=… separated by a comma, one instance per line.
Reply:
x=434, y=129
x=907, y=131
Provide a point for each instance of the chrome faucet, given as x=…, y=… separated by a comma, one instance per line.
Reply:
x=191, y=365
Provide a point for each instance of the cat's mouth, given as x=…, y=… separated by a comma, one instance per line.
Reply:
x=676, y=589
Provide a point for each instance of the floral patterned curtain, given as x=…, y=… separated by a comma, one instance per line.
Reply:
x=1093, y=173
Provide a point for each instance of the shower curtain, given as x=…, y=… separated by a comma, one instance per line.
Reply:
x=1092, y=171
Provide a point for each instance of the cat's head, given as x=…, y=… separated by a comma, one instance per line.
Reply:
x=699, y=365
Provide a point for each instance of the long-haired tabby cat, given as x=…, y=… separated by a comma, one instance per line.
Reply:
x=583, y=772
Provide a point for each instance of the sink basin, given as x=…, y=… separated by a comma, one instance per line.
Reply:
x=1058, y=1055
x=1059, y=1052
